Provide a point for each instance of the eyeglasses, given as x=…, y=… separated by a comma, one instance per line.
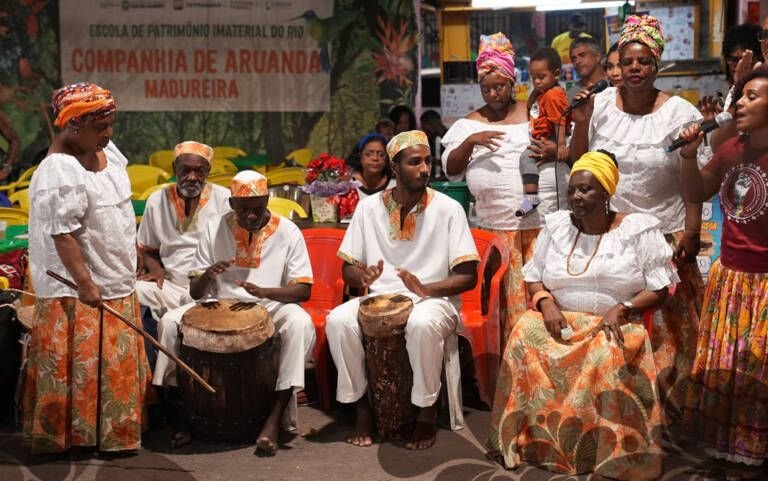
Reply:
x=762, y=35
x=374, y=153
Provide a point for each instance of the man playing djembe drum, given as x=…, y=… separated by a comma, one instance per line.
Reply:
x=173, y=221
x=252, y=255
x=410, y=240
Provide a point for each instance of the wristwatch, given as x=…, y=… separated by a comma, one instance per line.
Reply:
x=629, y=306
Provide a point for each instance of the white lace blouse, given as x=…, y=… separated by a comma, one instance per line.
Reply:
x=494, y=179
x=649, y=177
x=631, y=258
x=96, y=208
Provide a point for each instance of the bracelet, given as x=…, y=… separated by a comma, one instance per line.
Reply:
x=693, y=231
x=542, y=294
x=686, y=157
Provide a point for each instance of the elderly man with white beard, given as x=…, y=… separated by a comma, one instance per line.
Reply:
x=173, y=221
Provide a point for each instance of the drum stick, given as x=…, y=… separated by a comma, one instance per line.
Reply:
x=141, y=331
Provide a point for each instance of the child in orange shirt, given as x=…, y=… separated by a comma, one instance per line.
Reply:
x=547, y=104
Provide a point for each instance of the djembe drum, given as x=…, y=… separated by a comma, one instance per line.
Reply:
x=390, y=378
x=231, y=344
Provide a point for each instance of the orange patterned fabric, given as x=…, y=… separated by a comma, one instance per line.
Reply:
x=184, y=223
x=408, y=229
x=403, y=140
x=674, y=340
x=727, y=404
x=73, y=102
x=60, y=394
x=248, y=245
x=192, y=147
x=514, y=292
x=249, y=183
x=586, y=405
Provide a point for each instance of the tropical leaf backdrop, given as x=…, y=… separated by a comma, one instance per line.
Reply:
x=373, y=68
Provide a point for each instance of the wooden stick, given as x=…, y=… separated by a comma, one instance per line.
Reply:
x=144, y=333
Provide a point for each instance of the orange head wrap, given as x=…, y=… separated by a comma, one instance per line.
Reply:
x=80, y=102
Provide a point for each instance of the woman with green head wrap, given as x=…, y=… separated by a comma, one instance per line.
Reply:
x=637, y=122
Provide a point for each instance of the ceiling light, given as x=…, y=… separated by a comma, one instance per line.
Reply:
x=548, y=7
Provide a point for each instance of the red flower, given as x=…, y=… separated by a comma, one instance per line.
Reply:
x=326, y=168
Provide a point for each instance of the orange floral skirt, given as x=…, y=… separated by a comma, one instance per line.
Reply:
x=60, y=392
x=588, y=405
x=674, y=339
x=727, y=404
x=514, y=292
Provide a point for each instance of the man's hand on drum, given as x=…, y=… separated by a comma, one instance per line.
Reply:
x=252, y=289
x=412, y=283
x=155, y=275
x=216, y=269
x=371, y=273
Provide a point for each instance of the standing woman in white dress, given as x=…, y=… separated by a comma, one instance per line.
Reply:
x=82, y=226
x=485, y=148
x=636, y=122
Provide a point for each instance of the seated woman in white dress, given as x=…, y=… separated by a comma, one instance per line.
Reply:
x=577, y=391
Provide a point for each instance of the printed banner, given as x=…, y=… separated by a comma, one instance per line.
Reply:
x=176, y=55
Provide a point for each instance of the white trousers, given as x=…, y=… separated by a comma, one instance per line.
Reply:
x=159, y=301
x=292, y=323
x=429, y=324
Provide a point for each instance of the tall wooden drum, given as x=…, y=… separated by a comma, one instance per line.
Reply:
x=390, y=378
x=231, y=344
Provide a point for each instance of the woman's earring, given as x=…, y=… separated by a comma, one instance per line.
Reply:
x=607, y=206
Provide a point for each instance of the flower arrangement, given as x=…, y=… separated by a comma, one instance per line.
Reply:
x=328, y=177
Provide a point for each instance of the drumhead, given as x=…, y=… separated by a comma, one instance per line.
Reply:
x=384, y=315
x=226, y=326
x=386, y=305
x=228, y=316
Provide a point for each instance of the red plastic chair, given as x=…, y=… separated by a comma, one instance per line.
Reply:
x=327, y=293
x=483, y=327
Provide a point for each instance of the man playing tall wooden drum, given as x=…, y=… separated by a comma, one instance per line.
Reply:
x=174, y=219
x=253, y=255
x=410, y=240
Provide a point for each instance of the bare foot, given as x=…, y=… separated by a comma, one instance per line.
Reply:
x=363, y=424
x=424, y=430
x=265, y=447
x=266, y=444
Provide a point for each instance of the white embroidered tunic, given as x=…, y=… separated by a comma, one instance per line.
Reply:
x=277, y=255
x=632, y=257
x=174, y=241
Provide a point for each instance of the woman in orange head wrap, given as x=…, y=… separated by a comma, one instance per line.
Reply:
x=82, y=226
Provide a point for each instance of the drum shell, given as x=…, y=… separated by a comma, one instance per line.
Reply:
x=245, y=391
x=390, y=377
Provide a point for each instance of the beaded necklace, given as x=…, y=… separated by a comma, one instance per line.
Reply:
x=568, y=259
